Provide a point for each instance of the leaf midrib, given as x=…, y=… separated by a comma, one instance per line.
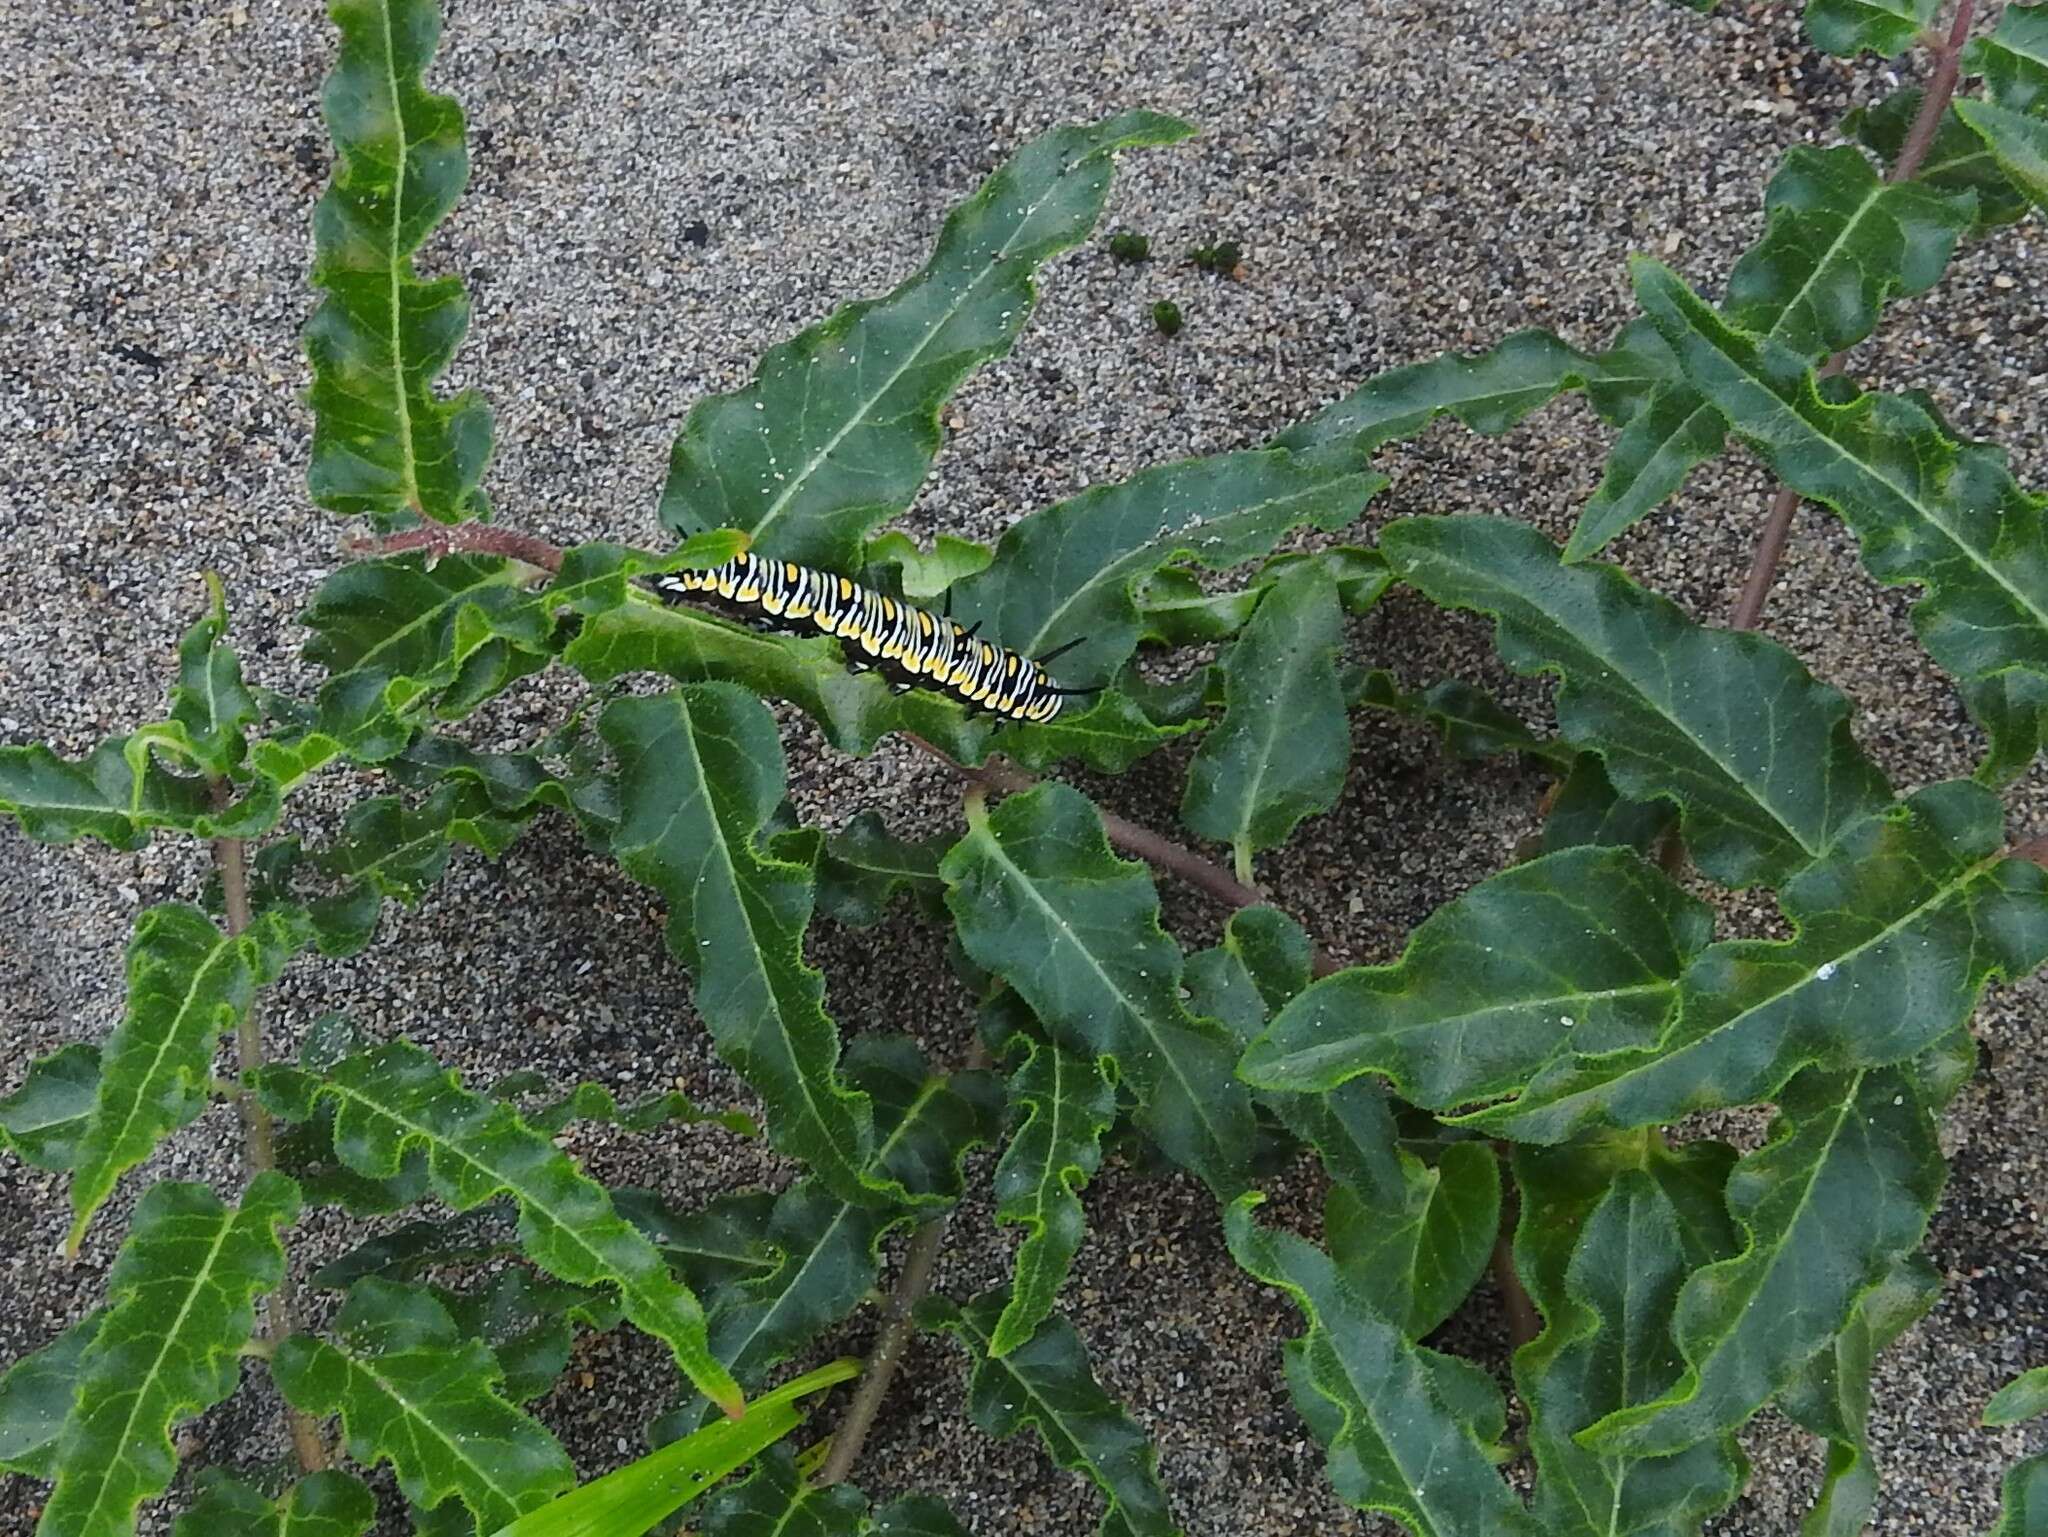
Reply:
x=1807, y=976
x=408, y=461
x=912, y=356
x=143, y=1388
x=1197, y=1101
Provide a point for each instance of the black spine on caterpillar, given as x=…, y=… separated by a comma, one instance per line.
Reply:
x=928, y=650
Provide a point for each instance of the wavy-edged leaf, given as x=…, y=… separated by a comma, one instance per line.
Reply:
x=528, y=1324
x=122, y=790
x=1416, y=1261
x=1899, y=926
x=1830, y=1396
x=1757, y=755
x=209, y=703
x=383, y=442
x=1489, y=392
x=840, y=424
x=823, y=1261
x=1925, y=506
x=183, y=1292
x=397, y=1097
x=411, y=1390
x=43, y=1120
x=1060, y=1105
x=1847, y=27
x=409, y=1252
x=1069, y=571
x=187, y=984
x=1587, y=809
x=700, y=772
x=1957, y=161
x=922, y=575
x=2014, y=59
x=1040, y=900
x=2018, y=142
x=864, y=865
x=590, y=1101
x=2020, y=1399
x=324, y=1504
x=1409, y=1432
x=640, y=1496
x=1837, y=1197
x=1838, y=243
x=724, y=1241
x=1280, y=752
x=1467, y=722
x=36, y=1395
x=1576, y=951
x=1046, y=1384
x=2023, y=1503
x=1606, y=1238
x=776, y=1499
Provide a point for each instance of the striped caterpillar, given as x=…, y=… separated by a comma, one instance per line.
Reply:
x=920, y=648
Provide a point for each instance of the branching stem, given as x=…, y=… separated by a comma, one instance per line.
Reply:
x=1941, y=88
x=230, y=856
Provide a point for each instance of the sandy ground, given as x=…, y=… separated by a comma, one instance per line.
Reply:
x=663, y=190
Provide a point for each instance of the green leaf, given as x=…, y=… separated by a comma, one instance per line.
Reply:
x=1587, y=809
x=1846, y=27
x=1603, y=1248
x=43, y=1120
x=411, y=1390
x=701, y=772
x=182, y=1292
x=528, y=1324
x=209, y=703
x=827, y=1246
x=324, y=1504
x=594, y=1102
x=1898, y=928
x=1061, y=1104
x=775, y=1499
x=409, y=1252
x=1046, y=1384
x=122, y=790
x=1069, y=571
x=383, y=442
x=187, y=983
x=644, y=1493
x=1468, y=723
x=1837, y=1197
x=1729, y=726
x=837, y=430
x=2019, y=143
x=1925, y=506
x=1281, y=750
x=1407, y=1431
x=864, y=865
x=2020, y=1399
x=916, y=1515
x=1957, y=160
x=36, y=1395
x=397, y=1097
x=922, y=576
x=1575, y=951
x=2025, y=1499
x=1839, y=242
x=394, y=634
x=1488, y=393
x=1416, y=1261
x=1830, y=1396
x=1040, y=901
x=2014, y=59
x=718, y=1244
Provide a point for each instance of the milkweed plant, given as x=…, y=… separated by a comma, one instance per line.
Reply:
x=1512, y=1094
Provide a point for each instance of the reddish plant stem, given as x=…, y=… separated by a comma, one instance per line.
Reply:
x=470, y=539
x=230, y=856
x=1941, y=88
